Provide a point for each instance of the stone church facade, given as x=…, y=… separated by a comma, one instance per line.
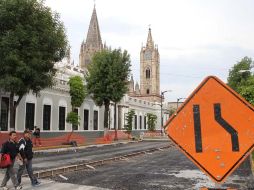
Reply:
x=49, y=110
x=149, y=88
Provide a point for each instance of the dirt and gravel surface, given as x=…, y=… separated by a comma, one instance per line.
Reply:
x=162, y=170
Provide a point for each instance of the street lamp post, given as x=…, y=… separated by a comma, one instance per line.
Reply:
x=246, y=70
x=178, y=99
x=162, y=96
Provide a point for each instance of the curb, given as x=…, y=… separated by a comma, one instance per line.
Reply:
x=155, y=139
x=66, y=148
x=71, y=148
x=252, y=162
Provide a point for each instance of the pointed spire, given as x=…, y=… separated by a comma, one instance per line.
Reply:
x=132, y=79
x=93, y=38
x=136, y=86
x=105, y=45
x=68, y=55
x=149, y=42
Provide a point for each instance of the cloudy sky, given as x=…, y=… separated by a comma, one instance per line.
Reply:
x=196, y=38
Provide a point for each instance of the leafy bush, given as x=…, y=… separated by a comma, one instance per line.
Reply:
x=129, y=120
x=151, y=121
x=73, y=118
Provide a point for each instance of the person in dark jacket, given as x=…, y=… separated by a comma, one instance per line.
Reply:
x=37, y=135
x=10, y=147
x=26, y=151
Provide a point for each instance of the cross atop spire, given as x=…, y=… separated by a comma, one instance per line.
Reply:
x=149, y=42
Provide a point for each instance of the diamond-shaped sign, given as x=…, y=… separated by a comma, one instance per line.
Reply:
x=214, y=128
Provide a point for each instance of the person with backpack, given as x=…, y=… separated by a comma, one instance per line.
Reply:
x=26, y=151
x=10, y=147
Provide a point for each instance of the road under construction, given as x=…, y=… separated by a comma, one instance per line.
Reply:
x=127, y=165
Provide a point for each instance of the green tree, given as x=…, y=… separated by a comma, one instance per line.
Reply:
x=172, y=111
x=242, y=80
x=129, y=121
x=151, y=121
x=78, y=94
x=77, y=91
x=32, y=39
x=246, y=90
x=73, y=118
x=107, y=78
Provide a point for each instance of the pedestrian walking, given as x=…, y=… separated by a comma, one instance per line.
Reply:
x=26, y=151
x=10, y=147
x=37, y=135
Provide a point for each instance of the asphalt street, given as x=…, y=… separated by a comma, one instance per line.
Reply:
x=162, y=170
x=166, y=169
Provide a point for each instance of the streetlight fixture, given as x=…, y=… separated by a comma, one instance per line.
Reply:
x=177, y=101
x=162, y=96
x=246, y=70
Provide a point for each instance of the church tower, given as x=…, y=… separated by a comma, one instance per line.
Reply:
x=92, y=44
x=150, y=71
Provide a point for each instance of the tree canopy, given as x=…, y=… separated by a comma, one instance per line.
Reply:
x=151, y=121
x=78, y=94
x=77, y=91
x=107, y=78
x=241, y=79
x=32, y=39
x=129, y=120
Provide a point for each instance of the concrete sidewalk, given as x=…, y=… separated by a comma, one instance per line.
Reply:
x=65, y=148
x=48, y=185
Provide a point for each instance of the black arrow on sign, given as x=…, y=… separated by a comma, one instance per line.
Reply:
x=220, y=120
x=197, y=128
x=227, y=127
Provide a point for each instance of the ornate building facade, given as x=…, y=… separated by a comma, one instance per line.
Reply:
x=49, y=110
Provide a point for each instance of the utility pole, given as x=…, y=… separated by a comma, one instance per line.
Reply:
x=116, y=138
x=162, y=96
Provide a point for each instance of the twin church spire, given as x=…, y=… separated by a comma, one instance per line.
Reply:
x=93, y=39
x=93, y=42
x=149, y=61
x=149, y=43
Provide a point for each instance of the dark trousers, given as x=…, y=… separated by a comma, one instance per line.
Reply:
x=29, y=169
x=10, y=173
x=37, y=140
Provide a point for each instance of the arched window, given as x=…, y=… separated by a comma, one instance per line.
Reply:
x=148, y=73
x=147, y=91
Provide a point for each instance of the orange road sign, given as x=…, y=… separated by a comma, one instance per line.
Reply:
x=214, y=128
